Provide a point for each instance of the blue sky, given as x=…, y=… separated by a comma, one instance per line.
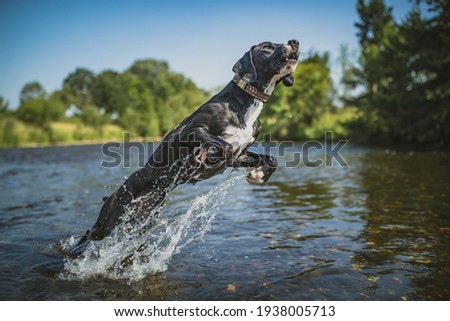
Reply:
x=45, y=40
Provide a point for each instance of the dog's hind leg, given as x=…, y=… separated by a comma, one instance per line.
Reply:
x=138, y=196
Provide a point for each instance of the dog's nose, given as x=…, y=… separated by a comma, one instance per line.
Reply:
x=293, y=43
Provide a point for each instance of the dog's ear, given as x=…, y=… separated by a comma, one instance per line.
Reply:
x=288, y=80
x=245, y=68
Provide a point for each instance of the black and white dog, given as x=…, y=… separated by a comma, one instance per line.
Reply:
x=214, y=137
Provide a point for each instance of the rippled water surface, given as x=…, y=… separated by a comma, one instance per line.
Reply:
x=378, y=229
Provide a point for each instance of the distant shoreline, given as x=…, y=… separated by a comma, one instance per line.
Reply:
x=82, y=142
x=388, y=148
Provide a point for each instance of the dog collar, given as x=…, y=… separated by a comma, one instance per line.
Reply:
x=252, y=90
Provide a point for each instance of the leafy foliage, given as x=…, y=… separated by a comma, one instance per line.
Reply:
x=146, y=100
x=398, y=91
x=30, y=91
x=4, y=105
x=404, y=74
x=78, y=86
x=292, y=112
x=40, y=110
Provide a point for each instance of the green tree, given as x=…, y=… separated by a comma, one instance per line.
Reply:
x=31, y=90
x=91, y=116
x=78, y=85
x=140, y=116
x=109, y=92
x=375, y=18
x=180, y=105
x=291, y=111
x=427, y=45
x=405, y=94
x=4, y=105
x=41, y=110
x=376, y=32
x=348, y=70
x=8, y=137
x=169, y=96
x=154, y=75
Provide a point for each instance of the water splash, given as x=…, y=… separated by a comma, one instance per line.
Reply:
x=145, y=247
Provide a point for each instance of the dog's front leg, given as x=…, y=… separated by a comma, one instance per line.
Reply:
x=262, y=166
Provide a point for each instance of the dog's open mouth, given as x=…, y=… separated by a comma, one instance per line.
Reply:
x=292, y=57
x=289, y=65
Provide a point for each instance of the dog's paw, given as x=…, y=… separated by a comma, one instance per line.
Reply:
x=259, y=175
x=256, y=176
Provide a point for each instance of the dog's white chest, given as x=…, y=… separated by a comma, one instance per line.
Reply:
x=241, y=137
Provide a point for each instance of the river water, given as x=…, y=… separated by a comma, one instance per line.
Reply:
x=377, y=229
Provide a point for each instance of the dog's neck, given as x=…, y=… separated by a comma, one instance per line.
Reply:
x=252, y=90
x=270, y=87
x=259, y=91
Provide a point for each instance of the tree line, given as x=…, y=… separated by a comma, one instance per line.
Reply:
x=146, y=100
x=396, y=91
x=404, y=73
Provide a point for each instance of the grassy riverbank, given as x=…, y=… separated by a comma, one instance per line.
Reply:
x=16, y=133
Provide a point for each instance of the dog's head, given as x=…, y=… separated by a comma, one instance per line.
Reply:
x=267, y=63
